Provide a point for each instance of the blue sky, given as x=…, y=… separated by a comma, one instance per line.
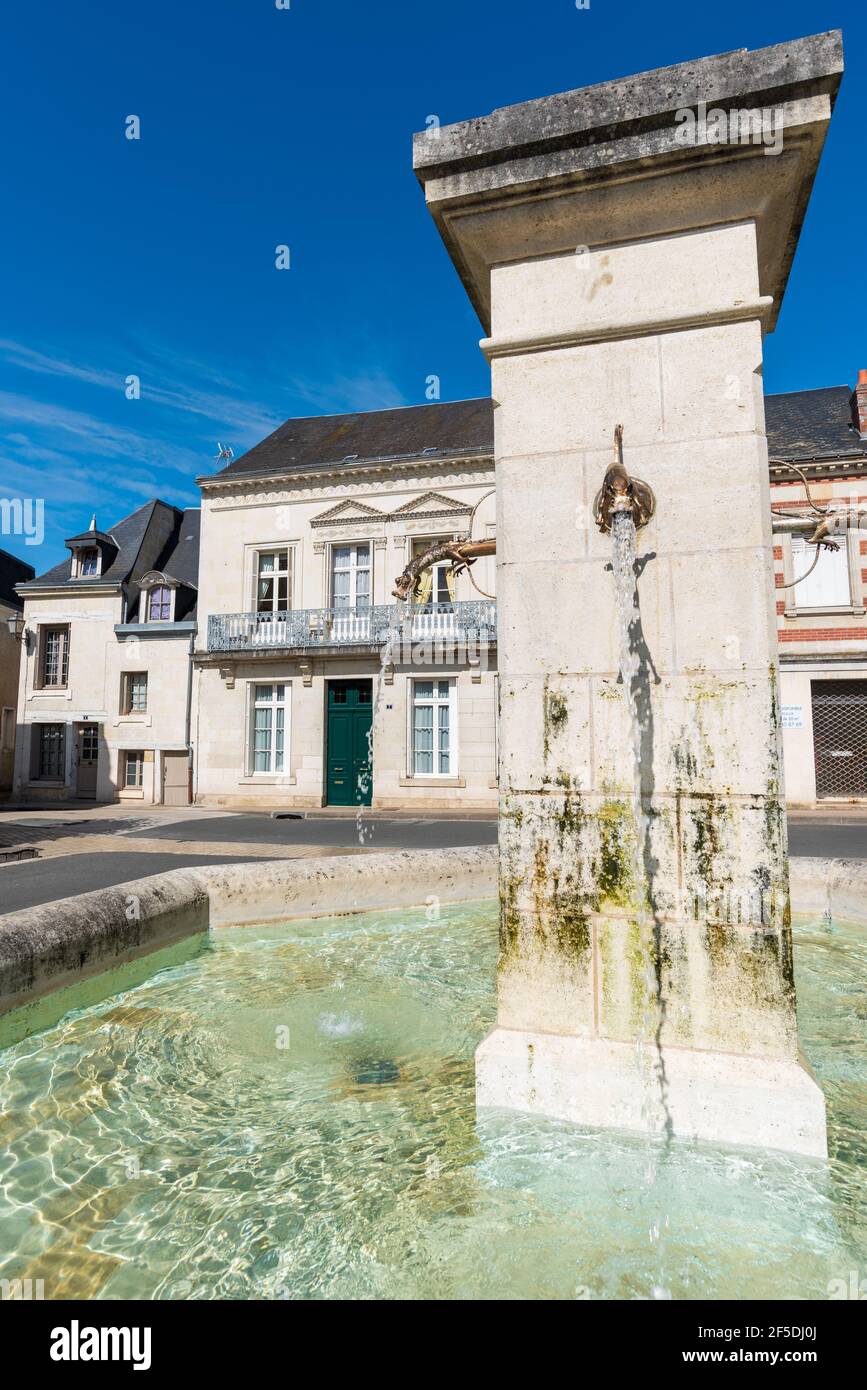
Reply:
x=262, y=127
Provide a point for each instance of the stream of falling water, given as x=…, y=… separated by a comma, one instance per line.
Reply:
x=648, y=1055
x=386, y=657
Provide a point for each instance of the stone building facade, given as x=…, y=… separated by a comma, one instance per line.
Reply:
x=275, y=673
x=12, y=572
x=105, y=681
x=309, y=691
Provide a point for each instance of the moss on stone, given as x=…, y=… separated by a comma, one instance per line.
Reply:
x=555, y=713
x=510, y=917
x=572, y=929
x=612, y=870
x=708, y=817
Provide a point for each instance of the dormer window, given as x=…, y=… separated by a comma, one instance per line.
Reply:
x=160, y=602
x=92, y=553
x=158, y=597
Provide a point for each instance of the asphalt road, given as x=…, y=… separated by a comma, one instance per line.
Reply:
x=45, y=880
x=341, y=832
x=827, y=840
x=821, y=838
x=36, y=881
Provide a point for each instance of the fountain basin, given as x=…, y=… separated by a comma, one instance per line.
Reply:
x=84, y=949
x=291, y=1114
x=48, y=952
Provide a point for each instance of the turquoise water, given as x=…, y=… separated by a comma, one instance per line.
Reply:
x=291, y=1115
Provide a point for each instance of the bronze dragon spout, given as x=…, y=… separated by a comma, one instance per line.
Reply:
x=621, y=493
x=461, y=553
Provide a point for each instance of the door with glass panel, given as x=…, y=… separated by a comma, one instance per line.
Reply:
x=273, y=596
x=349, y=768
x=87, y=760
x=350, y=592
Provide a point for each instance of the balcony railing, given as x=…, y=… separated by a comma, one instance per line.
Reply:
x=474, y=623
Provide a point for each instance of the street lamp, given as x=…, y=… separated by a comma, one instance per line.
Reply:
x=15, y=624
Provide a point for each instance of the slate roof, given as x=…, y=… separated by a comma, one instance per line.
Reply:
x=807, y=425
x=154, y=537
x=178, y=560
x=181, y=557
x=127, y=535
x=802, y=426
x=12, y=571
x=314, y=441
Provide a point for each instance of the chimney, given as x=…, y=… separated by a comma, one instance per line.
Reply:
x=859, y=402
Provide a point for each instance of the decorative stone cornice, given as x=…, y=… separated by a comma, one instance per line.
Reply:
x=760, y=309
x=334, y=479
x=614, y=161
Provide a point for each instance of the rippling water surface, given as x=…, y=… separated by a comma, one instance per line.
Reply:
x=290, y=1115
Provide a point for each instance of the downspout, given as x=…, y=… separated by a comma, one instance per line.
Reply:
x=192, y=768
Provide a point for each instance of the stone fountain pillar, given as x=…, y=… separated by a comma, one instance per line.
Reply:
x=626, y=249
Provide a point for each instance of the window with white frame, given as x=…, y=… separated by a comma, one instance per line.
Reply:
x=87, y=562
x=436, y=584
x=133, y=768
x=54, y=657
x=269, y=728
x=160, y=604
x=828, y=586
x=433, y=728
x=273, y=581
x=134, y=699
x=350, y=576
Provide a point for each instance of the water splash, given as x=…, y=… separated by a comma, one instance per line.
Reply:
x=386, y=659
x=654, y=1112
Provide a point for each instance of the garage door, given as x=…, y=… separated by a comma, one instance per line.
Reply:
x=840, y=738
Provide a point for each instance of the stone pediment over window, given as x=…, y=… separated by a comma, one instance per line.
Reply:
x=430, y=506
x=154, y=577
x=349, y=513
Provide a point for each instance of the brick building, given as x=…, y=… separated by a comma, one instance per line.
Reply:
x=822, y=600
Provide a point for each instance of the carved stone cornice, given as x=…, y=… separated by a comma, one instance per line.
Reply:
x=286, y=489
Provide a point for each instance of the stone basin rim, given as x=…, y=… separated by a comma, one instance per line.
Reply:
x=55, y=945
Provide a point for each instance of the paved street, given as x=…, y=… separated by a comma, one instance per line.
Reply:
x=38, y=881
x=337, y=832
x=85, y=848
x=828, y=840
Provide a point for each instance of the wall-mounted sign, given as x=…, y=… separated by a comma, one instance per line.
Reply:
x=793, y=716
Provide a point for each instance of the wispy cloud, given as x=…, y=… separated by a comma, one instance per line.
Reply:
x=367, y=391
x=98, y=436
x=89, y=448
x=18, y=355
x=221, y=408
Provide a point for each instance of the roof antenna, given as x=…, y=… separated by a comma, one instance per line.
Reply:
x=226, y=454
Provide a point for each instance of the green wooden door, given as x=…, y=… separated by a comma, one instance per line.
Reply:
x=349, y=775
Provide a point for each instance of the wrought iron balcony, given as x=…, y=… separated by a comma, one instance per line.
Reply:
x=302, y=629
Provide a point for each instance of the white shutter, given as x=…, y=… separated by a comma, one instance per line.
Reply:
x=828, y=585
